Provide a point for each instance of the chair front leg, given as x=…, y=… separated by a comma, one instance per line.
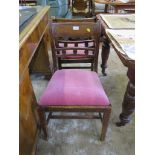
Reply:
x=43, y=122
x=105, y=121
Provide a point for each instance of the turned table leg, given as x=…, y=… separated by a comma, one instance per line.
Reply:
x=105, y=55
x=128, y=105
x=106, y=8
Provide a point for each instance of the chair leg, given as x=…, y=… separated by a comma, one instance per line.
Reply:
x=49, y=117
x=43, y=122
x=59, y=63
x=106, y=8
x=105, y=122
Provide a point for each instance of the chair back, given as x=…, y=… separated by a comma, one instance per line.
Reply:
x=58, y=19
x=75, y=42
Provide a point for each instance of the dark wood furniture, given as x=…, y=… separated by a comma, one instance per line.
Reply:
x=74, y=33
x=69, y=49
x=82, y=8
x=78, y=59
x=122, y=6
x=106, y=46
x=56, y=19
x=33, y=46
x=128, y=104
x=102, y=2
x=117, y=5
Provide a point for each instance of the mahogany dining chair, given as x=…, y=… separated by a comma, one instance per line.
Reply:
x=75, y=90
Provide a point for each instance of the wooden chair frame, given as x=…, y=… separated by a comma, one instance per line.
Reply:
x=62, y=20
x=103, y=115
x=103, y=111
x=86, y=24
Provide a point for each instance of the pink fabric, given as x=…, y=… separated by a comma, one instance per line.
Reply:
x=74, y=87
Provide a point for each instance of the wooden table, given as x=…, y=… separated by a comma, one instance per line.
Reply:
x=116, y=4
x=33, y=50
x=128, y=104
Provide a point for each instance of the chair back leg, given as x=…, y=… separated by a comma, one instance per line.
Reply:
x=43, y=122
x=105, y=121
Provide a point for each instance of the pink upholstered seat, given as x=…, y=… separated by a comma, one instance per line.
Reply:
x=74, y=87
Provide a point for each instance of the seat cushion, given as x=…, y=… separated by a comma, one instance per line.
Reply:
x=74, y=87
